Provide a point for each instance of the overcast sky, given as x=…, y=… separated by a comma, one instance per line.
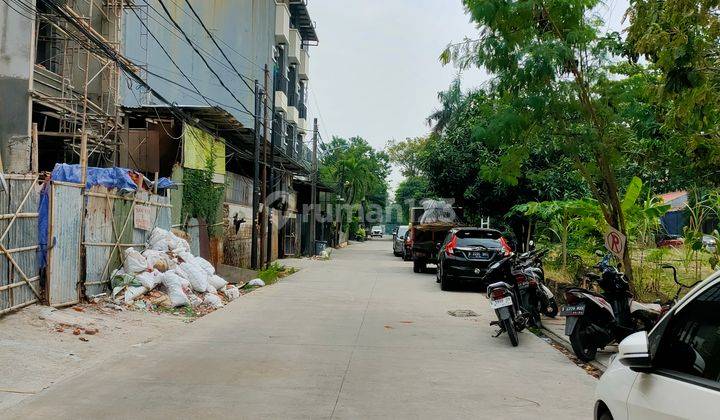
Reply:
x=376, y=72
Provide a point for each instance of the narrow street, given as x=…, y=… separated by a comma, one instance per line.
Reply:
x=359, y=336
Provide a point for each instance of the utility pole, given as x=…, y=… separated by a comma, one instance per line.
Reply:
x=266, y=140
x=271, y=165
x=313, y=191
x=256, y=181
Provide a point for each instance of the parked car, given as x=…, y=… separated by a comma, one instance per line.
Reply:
x=399, y=241
x=376, y=232
x=466, y=253
x=672, y=372
x=669, y=241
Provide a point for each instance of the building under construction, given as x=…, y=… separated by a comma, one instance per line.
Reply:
x=159, y=87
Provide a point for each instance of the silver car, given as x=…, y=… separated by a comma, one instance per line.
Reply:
x=399, y=240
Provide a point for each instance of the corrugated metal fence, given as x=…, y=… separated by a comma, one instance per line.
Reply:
x=19, y=276
x=113, y=222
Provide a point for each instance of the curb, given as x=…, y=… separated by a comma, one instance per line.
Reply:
x=566, y=344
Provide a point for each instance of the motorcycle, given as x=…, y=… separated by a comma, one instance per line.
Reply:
x=594, y=320
x=547, y=305
x=512, y=298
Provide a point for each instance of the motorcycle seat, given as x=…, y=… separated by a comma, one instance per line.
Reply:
x=580, y=289
x=649, y=307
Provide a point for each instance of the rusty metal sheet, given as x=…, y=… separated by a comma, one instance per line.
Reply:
x=20, y=241
x=98, y=230
x=63, y=274
x=23, y=234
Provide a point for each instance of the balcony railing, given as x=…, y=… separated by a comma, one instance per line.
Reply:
x=302, y=110
x=281, y=83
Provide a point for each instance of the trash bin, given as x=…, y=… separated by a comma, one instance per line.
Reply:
x=320, y=247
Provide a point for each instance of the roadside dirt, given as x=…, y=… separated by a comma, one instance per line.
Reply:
x=40, y=346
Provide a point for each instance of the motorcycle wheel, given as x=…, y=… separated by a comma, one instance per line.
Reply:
x=581, y=341
x=509, y=328
x=550, y=308
x=536, y=318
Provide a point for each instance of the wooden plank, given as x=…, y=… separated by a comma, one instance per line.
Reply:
x=64, y=258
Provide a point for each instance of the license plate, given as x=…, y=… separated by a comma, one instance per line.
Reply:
x=573, y=310
x=501, y=303
x=478, y=255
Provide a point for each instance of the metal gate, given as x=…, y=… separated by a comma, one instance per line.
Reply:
x=19, y=274
x=63, y=266
x=290, y=230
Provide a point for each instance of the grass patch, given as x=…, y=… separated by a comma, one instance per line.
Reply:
x=275, y=272
x=651, y=280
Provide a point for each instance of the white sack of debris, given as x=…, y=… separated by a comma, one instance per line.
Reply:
x=173, y=284
x=217, y=282
x=196, y=275
x=231, y=292
x=134, y=262
x=256, y=283
x=167, y=271
x=212, y=301
x=162, y=240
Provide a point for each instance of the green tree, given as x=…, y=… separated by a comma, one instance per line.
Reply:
x=406, y=154
x=358, y=172
x=449, y=101
x=681, y=38
x=552, y=71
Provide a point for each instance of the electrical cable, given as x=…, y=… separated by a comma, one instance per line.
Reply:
x=212, y=38
x=170, y=57
x=189, y=41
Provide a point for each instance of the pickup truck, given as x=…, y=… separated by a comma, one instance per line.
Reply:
x=426, y=237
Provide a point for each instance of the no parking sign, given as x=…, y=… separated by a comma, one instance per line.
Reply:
x=615, y=242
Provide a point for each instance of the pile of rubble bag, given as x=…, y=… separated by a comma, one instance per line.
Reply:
x=167, y=275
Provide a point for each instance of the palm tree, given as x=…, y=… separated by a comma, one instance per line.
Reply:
x=450, y=100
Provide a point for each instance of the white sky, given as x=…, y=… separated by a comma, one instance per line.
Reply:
x=376, y=72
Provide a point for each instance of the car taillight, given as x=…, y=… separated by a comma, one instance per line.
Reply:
x=505, y=246
x=498, y=294
x=450, y=247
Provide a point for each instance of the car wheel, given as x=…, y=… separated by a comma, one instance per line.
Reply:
x=397, y=254
x=416, y=267
x=605, y=416
x=445, y=283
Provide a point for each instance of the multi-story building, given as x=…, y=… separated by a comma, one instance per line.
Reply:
x=150, y=84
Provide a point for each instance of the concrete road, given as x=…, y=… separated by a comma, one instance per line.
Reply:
x=359, y=336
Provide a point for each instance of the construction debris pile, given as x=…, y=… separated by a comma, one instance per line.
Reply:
x=167, y=275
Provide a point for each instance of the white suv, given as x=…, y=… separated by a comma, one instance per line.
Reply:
x=674, y=371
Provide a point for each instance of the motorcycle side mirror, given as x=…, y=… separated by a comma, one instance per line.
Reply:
x=634, y=352
x=437, y=245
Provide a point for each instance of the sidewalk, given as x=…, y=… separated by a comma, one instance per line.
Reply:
x=554, y=328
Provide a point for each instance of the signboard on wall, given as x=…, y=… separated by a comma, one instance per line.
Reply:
x=143, y=217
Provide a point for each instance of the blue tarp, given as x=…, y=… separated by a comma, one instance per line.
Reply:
x=108, y=177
